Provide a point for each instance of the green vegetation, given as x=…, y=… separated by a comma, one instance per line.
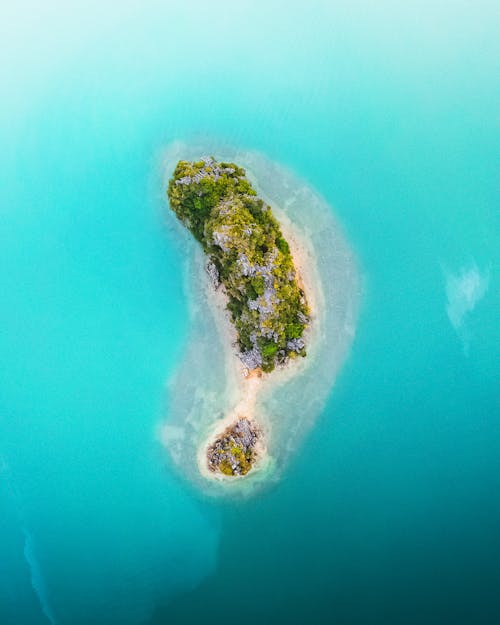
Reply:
x=239, y=233
x=241, y=460
x=225, y=467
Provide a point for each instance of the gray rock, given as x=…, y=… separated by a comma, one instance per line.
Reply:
x=251, y=359
x=213, y=274
x=222, y=238
x=295, y=345
x=246, y=267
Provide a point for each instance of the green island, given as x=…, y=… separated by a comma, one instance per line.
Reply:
x=248, y=256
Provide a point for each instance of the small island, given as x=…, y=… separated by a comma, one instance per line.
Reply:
x=234, y=452
x=249, y=259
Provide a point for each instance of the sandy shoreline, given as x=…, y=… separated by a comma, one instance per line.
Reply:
x=243, y=385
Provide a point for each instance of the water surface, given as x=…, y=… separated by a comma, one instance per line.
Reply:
x=389, y=513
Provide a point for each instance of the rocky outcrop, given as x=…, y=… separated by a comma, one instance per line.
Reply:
x=208, y=167
x=252, y=359
x=234, y=451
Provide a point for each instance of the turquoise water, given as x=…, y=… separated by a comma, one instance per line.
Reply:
x=389, y=513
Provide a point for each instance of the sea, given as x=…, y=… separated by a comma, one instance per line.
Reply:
x=375, y=125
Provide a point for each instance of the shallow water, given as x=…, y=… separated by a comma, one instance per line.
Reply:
x=388, y=512
x=206, y=386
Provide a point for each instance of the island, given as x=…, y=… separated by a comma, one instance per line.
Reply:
x=250, y=261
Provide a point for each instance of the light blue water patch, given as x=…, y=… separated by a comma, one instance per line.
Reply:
x=36, y=576
x=464, y=290
x=18, y=599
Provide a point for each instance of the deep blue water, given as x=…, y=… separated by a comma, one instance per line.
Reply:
x=390, y=513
